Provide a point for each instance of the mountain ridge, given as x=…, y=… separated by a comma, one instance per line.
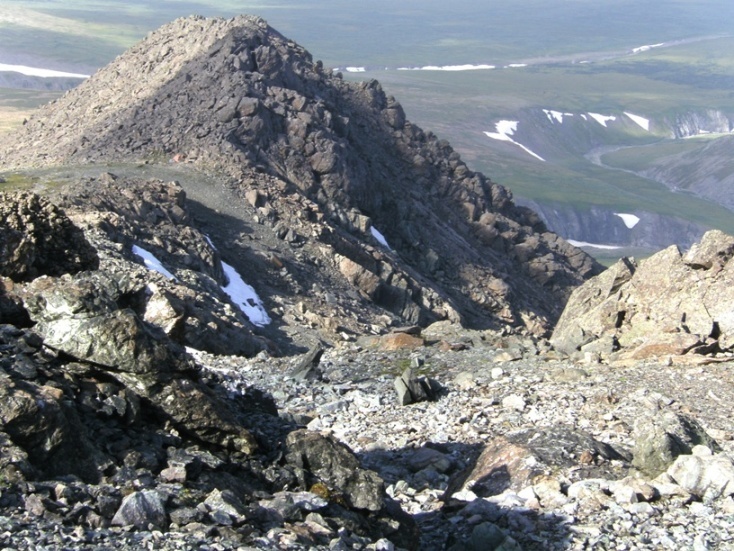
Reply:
x=251, y=105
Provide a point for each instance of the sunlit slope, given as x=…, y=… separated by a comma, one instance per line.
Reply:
x=576, y=116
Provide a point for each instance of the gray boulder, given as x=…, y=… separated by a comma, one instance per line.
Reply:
x=661, y=438
x=48, y=431
x=225, y=501
x=294, y=505
x=80, y=316
x=328, y=461
x=143, y=510
x=704, y=474
x=411, y=389
x=515, y=460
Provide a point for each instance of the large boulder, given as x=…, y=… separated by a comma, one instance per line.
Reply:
x=329, y=462
x=703, y=473
x=40, y=431
x=84, y=317
x=667, y=305
x=37, y=238
x=516, y=460
x=661, y=438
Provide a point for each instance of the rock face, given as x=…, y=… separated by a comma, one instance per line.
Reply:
x=96, y=231
x=37, y=238
x=670, y=304
x=82, y=427
x=323, y=164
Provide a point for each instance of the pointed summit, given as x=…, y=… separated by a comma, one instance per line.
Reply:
x=326, y=160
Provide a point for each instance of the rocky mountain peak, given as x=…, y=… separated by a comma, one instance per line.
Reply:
x=325, y=164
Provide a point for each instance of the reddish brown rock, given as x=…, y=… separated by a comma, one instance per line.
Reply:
x=669, y=304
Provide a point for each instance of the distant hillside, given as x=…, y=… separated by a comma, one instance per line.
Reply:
x=574, y=112
x=703, y=167
x=626, y=163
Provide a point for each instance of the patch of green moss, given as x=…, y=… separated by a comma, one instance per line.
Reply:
x=15, y=181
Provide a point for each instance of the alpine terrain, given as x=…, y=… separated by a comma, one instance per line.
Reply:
x=246, y=304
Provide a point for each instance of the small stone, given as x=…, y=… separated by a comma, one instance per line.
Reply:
x=142, y=509
x=307, y=367
x=411, y=389
x=225, y=501
x=700, y=544
x=465, y=380
x=34, y=505
x=514, y=401
x=625, y=495
x=486, y=536
x=429, y=458
x=497, y=373
x=508, y=356
x=176, y=473
x=727, y=505
x=699, y=509
x=701, y=451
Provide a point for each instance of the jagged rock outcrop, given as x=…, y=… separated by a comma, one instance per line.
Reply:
x=692, y=123
x=37, y=238
x=193, y=309
x=667, y=305
x=322, y=163
x=82, y=428
x=96, y=230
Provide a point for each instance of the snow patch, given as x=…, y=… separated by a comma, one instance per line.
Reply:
x=602, y=119
x=37, y=72
x=151, y=262
x=379, y=237
x=630, y=220
x=556, y=115
x=505, y=129
x=594, y=245
x=448, y=68
x=245, y=297
x=646, y=47
x=641, y=121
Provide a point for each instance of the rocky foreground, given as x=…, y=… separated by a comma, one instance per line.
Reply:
x=518, y=451
x=120, y=431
